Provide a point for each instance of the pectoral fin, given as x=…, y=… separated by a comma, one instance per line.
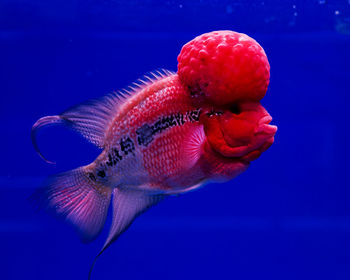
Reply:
x=192, y=146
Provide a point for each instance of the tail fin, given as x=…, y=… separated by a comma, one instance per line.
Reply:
x=77, y=198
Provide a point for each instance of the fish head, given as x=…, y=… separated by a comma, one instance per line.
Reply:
x=237, y=135
x=227, y=74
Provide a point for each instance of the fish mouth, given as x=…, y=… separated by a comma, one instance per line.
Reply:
x=241, y=136
x=264, y=126
x=262, y=139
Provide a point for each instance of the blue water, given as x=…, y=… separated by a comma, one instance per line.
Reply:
x=287, y=217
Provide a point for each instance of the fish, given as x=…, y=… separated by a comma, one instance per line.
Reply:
x=167, y=134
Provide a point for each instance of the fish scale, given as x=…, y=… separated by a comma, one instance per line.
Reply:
x=161, y=158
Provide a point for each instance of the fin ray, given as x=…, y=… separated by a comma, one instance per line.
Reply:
x=93, y=118
x=43, y=122
x=127, y=205
x=192, y=146
x=73, y=196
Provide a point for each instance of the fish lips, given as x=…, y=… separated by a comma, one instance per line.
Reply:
x=242, y=136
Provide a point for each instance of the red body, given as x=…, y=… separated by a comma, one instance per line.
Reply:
x=176, y=144
x=169, y=135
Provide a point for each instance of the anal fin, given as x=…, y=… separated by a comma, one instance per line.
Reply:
x=127, y=205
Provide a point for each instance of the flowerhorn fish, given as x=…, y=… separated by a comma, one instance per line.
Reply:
x=168, y=134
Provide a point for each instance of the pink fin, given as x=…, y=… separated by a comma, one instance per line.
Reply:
x=127, y=205
x=93, y=118
x=192, y=146
x=45, y=121
x=76, y=198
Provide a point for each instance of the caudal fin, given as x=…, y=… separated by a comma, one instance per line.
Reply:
x=78, y=199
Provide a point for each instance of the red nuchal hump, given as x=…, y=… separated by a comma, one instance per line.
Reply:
x=225, y=66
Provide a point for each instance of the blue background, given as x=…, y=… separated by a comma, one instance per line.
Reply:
x=287, y=217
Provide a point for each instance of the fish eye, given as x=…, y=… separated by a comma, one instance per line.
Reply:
x=235, y=109
x=214, y=113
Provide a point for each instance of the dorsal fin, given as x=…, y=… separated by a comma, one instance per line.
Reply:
x=93, y=118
